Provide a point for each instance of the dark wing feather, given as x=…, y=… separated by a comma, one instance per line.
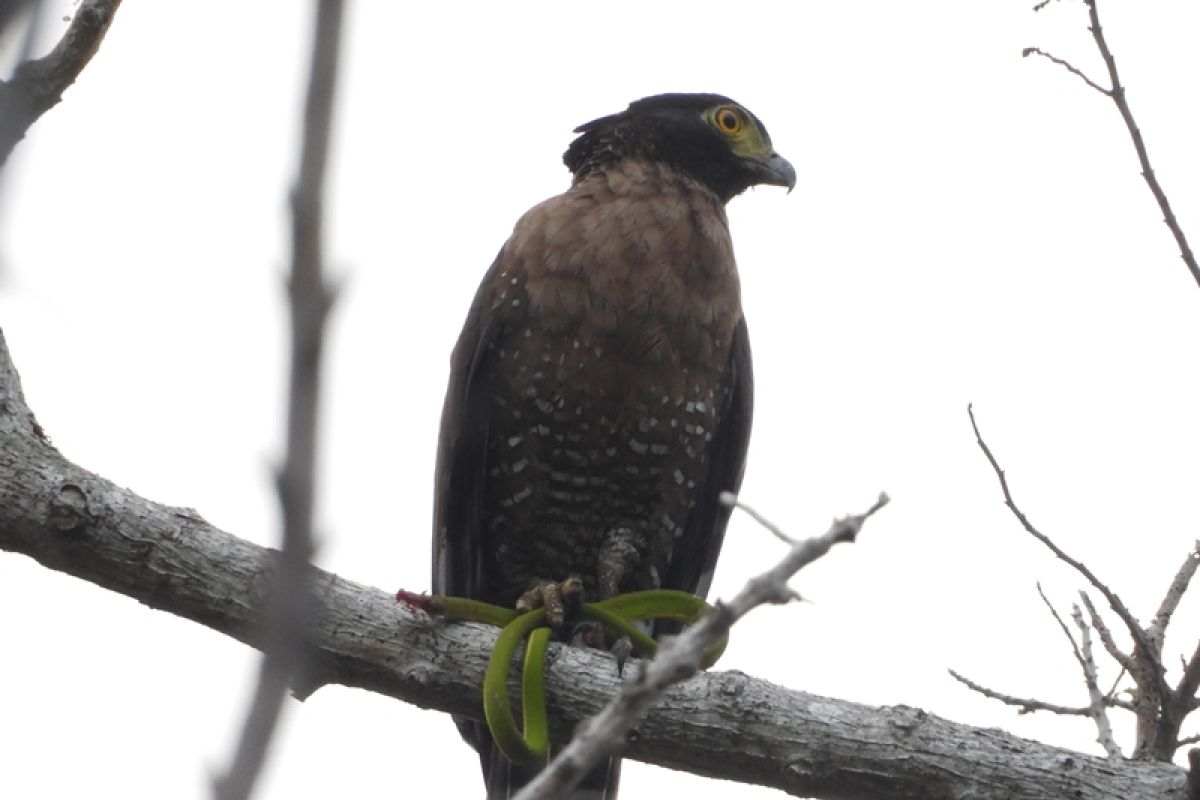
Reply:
x=461, y=470
x=695, y=556
x=462, y=454
x=458, y=568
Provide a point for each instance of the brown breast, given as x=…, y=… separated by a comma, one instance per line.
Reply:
x=616, y=304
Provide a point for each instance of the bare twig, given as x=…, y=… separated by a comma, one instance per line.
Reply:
x=1116, y=684
x=1106, y=638
x=310, y=301
x=1160, y=710
x=1067, y=65
x=1150, y=657
x=680, y=657
x=1118, y=96
x=1024, y=705
x=1158, y=627
x=1063, y=627
x=37, y=85
x=1097, y=705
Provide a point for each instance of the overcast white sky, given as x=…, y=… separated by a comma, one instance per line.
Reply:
x=969, y=226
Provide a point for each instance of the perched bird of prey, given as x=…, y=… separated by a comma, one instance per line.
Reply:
x=600, y=391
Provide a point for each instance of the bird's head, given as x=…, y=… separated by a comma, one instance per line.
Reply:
x=708, y=137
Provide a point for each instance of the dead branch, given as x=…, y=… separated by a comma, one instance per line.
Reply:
x=1083, y=656
x=1116, y=93
x=1183, y=578
x=1062, y=626
x=1067, y=65
x=1126, y=661
x=1024, y=705
x=1145, y=647
x=1160, y=709
x=1097, y=702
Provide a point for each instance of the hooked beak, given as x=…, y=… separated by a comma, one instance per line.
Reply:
x=775, y=170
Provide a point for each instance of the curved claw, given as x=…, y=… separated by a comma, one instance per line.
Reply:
x=621, y=649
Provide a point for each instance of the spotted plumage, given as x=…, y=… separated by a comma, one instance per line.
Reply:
x=600, y=391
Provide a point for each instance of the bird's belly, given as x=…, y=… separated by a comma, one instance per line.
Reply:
x=594, y=459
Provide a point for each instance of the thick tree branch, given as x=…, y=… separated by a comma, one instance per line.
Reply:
x=37, y=85
x=310, y=301
x=169, y=558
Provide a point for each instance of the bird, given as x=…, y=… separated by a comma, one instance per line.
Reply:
x=600, y=392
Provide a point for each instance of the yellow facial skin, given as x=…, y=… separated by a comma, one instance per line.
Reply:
x=736, y=124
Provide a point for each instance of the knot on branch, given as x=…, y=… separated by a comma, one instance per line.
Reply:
x=69, y=510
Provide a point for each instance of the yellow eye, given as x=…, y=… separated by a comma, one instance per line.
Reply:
x=729, y=120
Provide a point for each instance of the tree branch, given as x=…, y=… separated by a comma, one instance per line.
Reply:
x=1150, y=657
x=169, y=558
x=1160, y=709
x=1067, y=65
x=1083, y=657
x=1126, y=661
x=1030, y=704
x=310, y=301
x=1117, y=95
x=1183, y=578
x=37, y=85
x=1097, y=702
x=1062, y=626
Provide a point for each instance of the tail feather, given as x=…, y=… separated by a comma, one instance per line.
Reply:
x=504, y=778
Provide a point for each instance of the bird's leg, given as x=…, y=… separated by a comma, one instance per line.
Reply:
x=561, y=600
x=617, y=558
x=618, y=555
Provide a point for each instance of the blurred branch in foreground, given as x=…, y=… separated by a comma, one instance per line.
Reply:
x=310, y=300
